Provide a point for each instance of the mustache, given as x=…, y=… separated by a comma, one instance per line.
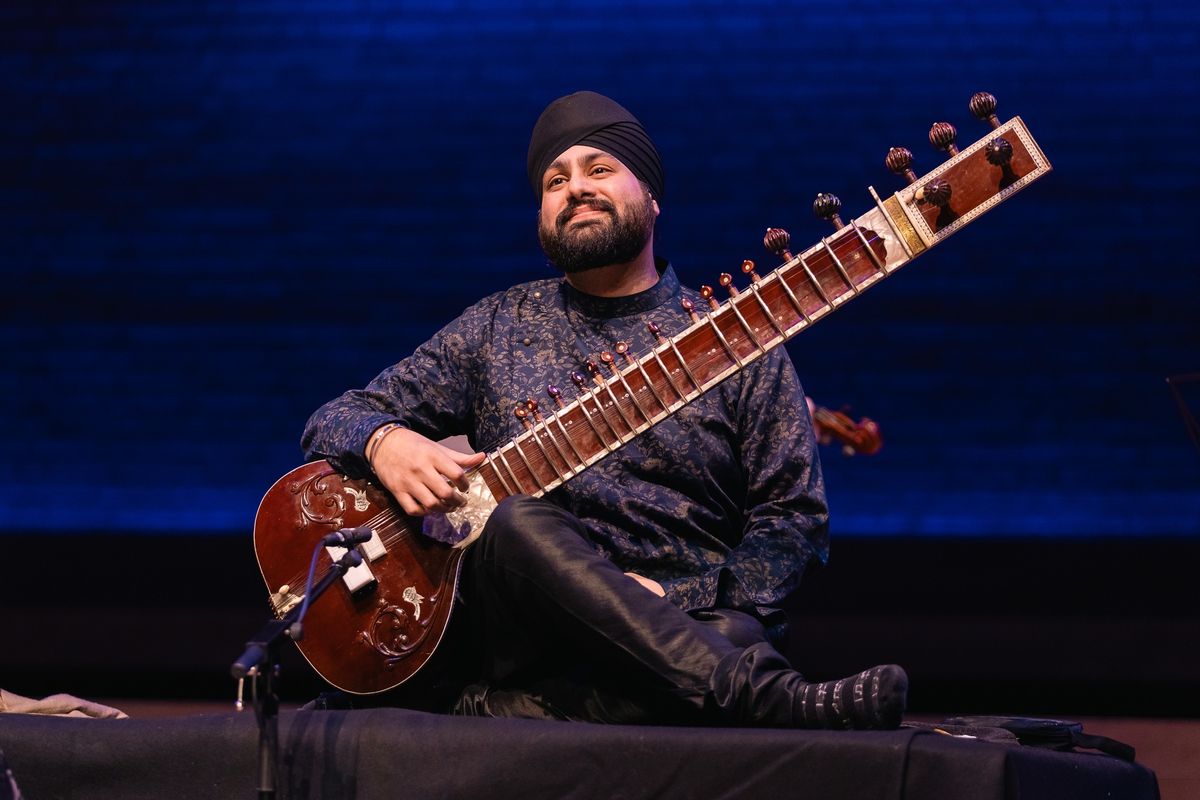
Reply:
x=597, y=204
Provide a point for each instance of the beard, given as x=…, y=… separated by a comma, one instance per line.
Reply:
x=598, y=242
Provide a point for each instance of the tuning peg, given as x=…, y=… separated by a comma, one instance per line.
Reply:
x=899, y=160
x=555, y=394
x=609, y=361
x=942, y=136
x=935, y=192
x=827, y=206
x=655, y=331
x=777, y=241
x=748, y=271
x=578, y=379
x=999, y=152
x=707, y=293
x=726, y=280
x=532, y=405
x=622, y=349
x=690, y=307
x=983, y=107
x=522, y=413
x=593, y=369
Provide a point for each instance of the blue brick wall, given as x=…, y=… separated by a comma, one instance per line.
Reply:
x=216, y=216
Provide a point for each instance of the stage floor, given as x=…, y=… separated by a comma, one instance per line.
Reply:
x=1169, y=747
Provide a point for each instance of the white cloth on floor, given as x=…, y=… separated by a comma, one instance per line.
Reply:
x=64, y=705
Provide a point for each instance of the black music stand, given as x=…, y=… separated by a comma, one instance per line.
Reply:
x=260, y=663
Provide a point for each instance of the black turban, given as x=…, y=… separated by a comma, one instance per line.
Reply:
x=594, y=120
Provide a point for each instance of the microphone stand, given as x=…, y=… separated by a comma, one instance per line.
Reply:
x=260, y=663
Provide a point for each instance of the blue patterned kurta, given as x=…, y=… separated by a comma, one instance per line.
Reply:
x=723, y=503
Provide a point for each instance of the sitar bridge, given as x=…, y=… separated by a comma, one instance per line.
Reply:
x=284, y=601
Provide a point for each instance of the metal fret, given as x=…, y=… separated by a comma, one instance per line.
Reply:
x=749, y=331
x=603, y=415
x=724, y=343
x=512, y=474
x=766, y=310
x=570, y=442
x=546, y=453
x=617, y=405
x=587, y=415
x=792, y=297
x=870, y=251
x=667, y=374
x=816, y=283
x=500, y=475
x=891, y=224
x=633, y=398
x=553, y=441
x=837, y=263
x=683, y=363
x=637, y=362
x=536, y=480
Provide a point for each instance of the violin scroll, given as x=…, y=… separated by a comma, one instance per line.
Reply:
x=855, y=437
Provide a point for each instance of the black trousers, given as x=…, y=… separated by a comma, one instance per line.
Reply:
x=554, y=629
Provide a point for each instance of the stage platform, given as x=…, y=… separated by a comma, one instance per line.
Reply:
x=394, y=753
x=1091, y=644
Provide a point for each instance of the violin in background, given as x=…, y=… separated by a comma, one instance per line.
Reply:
x=855, y=437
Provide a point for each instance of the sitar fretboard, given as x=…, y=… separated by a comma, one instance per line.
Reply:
x=638, y=392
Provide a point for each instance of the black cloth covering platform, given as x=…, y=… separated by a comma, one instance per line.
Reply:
x=396, y=754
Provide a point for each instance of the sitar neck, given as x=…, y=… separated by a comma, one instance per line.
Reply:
x=626, y=395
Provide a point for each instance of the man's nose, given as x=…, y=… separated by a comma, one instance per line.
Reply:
x=580, y=185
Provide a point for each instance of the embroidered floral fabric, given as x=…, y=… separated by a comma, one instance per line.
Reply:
x=722, y=503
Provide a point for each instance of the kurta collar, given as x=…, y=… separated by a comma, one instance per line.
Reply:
x=610, y=307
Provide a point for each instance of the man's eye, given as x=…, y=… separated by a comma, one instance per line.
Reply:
x=555, y=181
x=600, y=169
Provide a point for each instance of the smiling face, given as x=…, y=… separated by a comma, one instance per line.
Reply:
x=595, y=212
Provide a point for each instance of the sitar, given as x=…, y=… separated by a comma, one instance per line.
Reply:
x=381, y=624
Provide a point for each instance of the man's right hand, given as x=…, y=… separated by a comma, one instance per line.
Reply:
x=421, y=474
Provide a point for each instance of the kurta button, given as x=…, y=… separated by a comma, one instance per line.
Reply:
x=527, y=341
x=537, y=295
